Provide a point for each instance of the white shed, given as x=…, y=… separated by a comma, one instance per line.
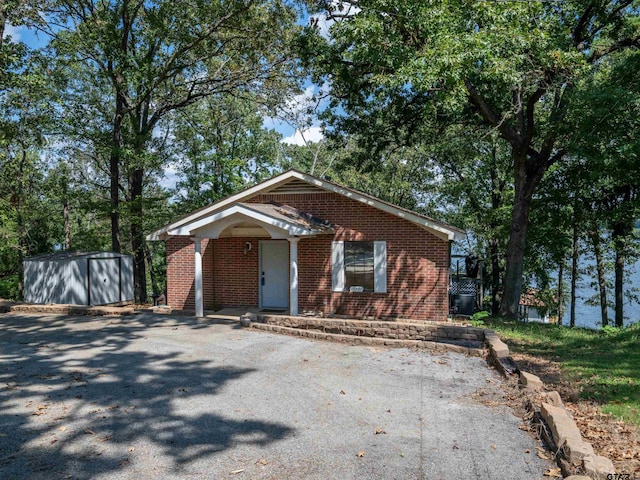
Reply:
x=79, y=278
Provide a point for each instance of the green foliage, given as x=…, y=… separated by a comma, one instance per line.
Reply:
x=9, y=287
x=406, y=71
x=220, y=145
x=611, y=331
x=477, y=319
x=604, y=366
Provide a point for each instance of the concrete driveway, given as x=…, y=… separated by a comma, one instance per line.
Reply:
x=167, y=397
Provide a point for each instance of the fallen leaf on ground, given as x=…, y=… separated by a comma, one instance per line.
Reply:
x=234, y=472
x=542, y=453
x=553, y=472
x=262, y=461
x=342, y=392
x=90, y=432
x=360, y=454
x=380, y=431
x=62, y=429
x=104, y=439
x=132, y=449
x=493, y=445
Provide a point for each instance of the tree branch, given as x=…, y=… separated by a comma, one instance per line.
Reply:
x=492, y=117
x=624, y=43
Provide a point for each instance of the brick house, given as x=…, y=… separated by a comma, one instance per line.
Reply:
x=303, y=244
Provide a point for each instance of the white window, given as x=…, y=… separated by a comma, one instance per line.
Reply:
x=359, y=266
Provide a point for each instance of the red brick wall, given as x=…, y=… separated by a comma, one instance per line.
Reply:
x=180, y=273
x=236, y=274
x=417, y=264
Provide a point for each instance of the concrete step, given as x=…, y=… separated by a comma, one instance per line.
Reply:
x=440, y=332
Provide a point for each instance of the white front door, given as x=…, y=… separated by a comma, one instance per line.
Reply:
x=274, y=274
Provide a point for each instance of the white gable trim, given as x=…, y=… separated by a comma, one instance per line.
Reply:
x=440, y=231
x=212, y=226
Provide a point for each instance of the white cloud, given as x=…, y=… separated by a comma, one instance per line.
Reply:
x=322, y=21
x=170, y=177
x=309, y=135
x=300, y=102
x=14, y=32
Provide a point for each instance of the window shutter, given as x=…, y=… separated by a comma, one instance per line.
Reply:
x=337, y=266
x=380, y=267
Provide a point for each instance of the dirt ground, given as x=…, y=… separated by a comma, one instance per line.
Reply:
x=610, y=437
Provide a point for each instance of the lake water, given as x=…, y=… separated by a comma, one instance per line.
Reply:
x=589, y=316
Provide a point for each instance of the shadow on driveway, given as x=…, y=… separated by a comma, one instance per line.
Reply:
x=78, y=396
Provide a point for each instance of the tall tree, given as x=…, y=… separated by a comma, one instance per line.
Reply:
x=25, y=116
x=161, y=56
x=219, y=145
x=509, y=65
x=606, y=117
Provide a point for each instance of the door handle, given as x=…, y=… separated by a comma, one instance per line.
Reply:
x=262, y=280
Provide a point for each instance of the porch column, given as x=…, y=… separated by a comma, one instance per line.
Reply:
x=293, y=276
x=197, y=244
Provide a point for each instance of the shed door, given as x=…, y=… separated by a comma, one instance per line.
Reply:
x=104, y=281
x=274, y=275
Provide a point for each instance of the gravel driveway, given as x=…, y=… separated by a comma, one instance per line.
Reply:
x=168, y=397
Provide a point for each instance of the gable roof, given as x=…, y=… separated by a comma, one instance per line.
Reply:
x=439, y=229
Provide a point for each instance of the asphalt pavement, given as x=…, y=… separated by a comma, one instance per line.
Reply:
x=153, y=396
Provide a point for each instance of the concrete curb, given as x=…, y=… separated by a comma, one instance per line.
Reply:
x=499, y=354
x=561, y=429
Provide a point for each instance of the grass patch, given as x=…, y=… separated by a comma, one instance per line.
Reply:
x=604, y=365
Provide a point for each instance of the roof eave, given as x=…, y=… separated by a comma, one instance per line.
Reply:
x=441, y=231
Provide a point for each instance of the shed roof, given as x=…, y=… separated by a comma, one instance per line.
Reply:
x=68, y=255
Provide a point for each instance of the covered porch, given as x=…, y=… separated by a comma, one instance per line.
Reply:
x=266, y=227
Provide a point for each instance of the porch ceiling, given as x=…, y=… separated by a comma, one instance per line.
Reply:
x=279, y=221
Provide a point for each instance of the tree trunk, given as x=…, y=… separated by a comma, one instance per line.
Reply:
x=619, y=270
x=154, y=279
x=21, y=250
x=137, y=235
x=67, y=225
x=602, y=284
x=114, y=172
x=574, y=273
x=495, y=276
x=527, y=175
x=22, y=247
x=619, y=233
x=560, y=293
